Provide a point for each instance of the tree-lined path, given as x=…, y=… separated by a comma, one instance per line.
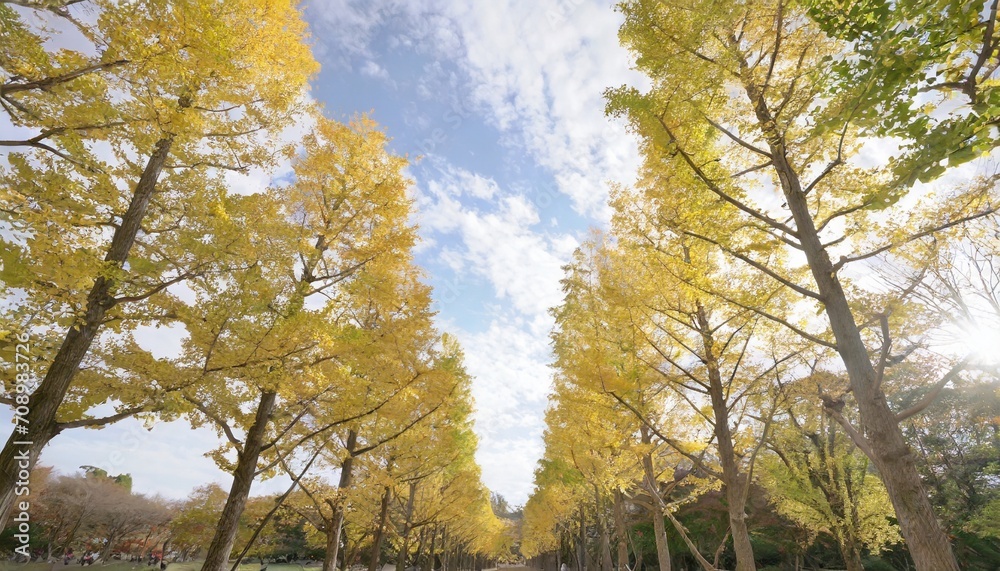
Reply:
x=773, y=347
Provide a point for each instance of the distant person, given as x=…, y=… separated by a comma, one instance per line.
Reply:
x=563, y=567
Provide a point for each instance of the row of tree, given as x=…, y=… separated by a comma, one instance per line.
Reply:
x=776, y=311
x=96, y=514
x=308, y=337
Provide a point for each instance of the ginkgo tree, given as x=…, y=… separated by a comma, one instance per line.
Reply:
x=254, y=335
x=660, y=341
x=407, y=466
x=122, y=160
x=605, y=363
x=738, y=103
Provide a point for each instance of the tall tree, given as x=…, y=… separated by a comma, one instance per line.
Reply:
x=731, y=110
x=195, y=100
x=255, y=337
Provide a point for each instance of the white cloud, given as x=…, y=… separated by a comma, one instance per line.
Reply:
x=373, y=69
x=512, y=383
x=163, y=342
x=498, y=241
x=495, y=234
x=539, y=70
x=506, y=463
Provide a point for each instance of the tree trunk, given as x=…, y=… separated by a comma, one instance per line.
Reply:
x=850, y=551
x=105, y=552
x=926, y=540
x=373, y=565
x=332, y=545
x=733, y=480
x=337, y=520
x=430, y=553
x=217, y=557
x=606, y=563
x=660, y=534
x=659, y=527
x=445, y=549
x=404, y=550
x=581, y=543
x=620, y=531
x=350, y=554
x=420, y=547
x=22, y=448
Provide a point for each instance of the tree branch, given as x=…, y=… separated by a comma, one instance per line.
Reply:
x=738, y=140
x=103, y=421
x=922, y=234
x=721, y=193
x=218, y=421
x=936, y=389
x=157, y=289
x=860, y=441
x=48, y=82
x=759, y=266
x=666, y=439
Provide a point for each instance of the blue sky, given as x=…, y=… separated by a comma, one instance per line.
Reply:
x=502, y=103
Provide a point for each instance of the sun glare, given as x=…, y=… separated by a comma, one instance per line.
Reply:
x=982, y=341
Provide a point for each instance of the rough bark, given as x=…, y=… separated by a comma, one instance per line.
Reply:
x=217, y=557
x=22, y=450
x=332, y=545
x=445, y=550
x=659, y=527
x=337, y=521
x=851, y=553
x=927, y=542
x=734, y=480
